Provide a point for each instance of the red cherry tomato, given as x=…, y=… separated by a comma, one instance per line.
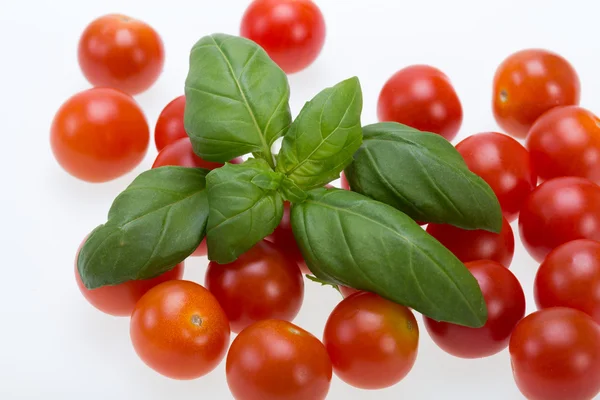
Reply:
x=283, y=237
x=565, y=141
x=555, y=355
x=275, y=360
x=506, y=307
x=422, y=97
x=372, y=342
x=179, y=329
x=344, y=182
x=474, y=245
x=347, y=291
x=263, y=283
x=504, y=164
x=527, y=84
x=169, y=126
x=99, y=134
x=292, y=32
x=570, y=277
x=121, y=52
x=558, y=211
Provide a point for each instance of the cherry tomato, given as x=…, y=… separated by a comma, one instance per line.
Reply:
x=121, y=52
x=555, y=355
x=347, y=291
x=179, y=329
x=292, y=32
x=570, y=277
x=565, y=141
x=527, y=84
x=422, y=97
x=372, y=342
x=274, y=360
x=506, y=307
x=99, y=134
x=474, y=245
x=283, y=237
x=504, y=164
x=263, y=283
x=344, y=182
x=558, y=211
x=169, y=126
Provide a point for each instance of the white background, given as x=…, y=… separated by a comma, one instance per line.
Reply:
x=53, y=345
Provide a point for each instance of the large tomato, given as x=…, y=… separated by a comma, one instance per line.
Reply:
x=527, y=84
x=505, y=299
x=474, y=245
x=565, y=141
x=276, y=360
x=555, y=355
x=372, y=342
x=99, y=134
x=263, y=283
x=179, y=329
x=570, y=277
x=292, y=32
x=121, y=52
x=422, y=97
x=169, y=125
x=504, y=164
x=558, y=211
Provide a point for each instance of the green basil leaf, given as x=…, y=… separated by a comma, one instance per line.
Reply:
x=236, y=99
x=154, y=224
x=268, y=180
x=422, y=175
x=321, y=141
x=241, y=213
x=349, y=239
x=291, y=192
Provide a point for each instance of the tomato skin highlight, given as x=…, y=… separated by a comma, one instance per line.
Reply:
x=555, y=355
x=504, y=164
x=263, y=283
x=121, y=52
x=179, y=329
x=372, y=342
x=99, y=135
x=283, y=237
x=292, y=32
x=565, y=141
x=169, y=125
x=421, y=97
x=474, y=245
x=570, y=277
x=273, y=360
x=558, y=211
x=502, y=290
x=527, y=84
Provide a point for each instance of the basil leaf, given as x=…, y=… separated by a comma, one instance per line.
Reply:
x=268, y=180
x=241, y=213
x=154, y=224
x=321, y=141
x=422, y=175
x=236, y=99
x=349, y=239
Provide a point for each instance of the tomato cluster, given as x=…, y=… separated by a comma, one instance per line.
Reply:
x=182, y=329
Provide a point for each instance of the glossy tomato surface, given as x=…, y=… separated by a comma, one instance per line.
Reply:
x=504, y=164
x=274, y=360
x=263, y=283
x=422, y=97
x=121, y=52
x=505, y=300
x=555, y=355
x=179, y=329
x=283, y=237
x=474, y=245
x=570, y=277
x=372, y=342
x=558, y=211
x=527, y=84
x=181, y=153
x=565, y=141
x=169, y=125
x=99, y=135
x=292, y=32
